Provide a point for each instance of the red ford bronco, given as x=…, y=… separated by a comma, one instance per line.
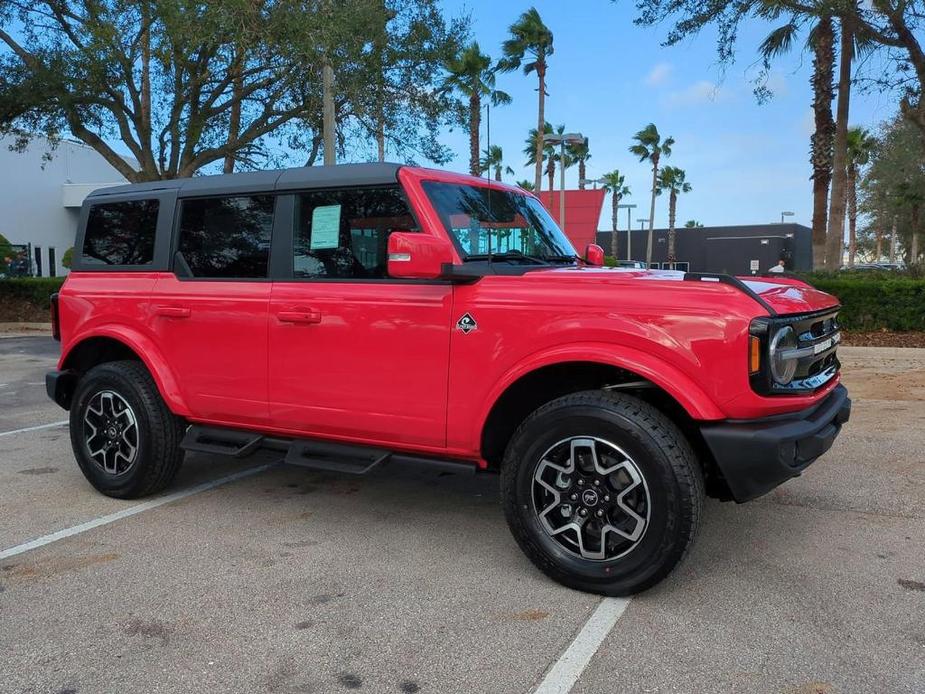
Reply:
x=361, y=313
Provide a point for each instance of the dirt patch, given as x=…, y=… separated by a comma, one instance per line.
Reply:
x=48, y=568
x=883, y=338
x=909, y=584
x=532, y=615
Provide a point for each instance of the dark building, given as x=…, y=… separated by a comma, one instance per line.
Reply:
x=736, y=250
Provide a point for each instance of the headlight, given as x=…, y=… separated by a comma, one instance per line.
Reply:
x=782, y=370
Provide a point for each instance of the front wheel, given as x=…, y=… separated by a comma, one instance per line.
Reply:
x=602, y=492
x=125, y=439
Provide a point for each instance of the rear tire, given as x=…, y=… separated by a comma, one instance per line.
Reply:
x=602, y=492
x=125, y=439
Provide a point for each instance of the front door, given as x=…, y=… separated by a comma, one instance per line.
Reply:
x=354, y=354
x=210, y=315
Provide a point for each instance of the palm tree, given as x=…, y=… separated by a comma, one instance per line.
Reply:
x=531, y=40
x=650, y=147
x=821, y=41
x=692, y=224
x=526, y=185
x=494, y=159
x=860, y=146
x=547, y=152
x=579, y=152
x=614, y=182
x=471, y=74
x=672, y=180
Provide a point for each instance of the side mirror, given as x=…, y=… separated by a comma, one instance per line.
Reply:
x=418, y=256
x=594, y=255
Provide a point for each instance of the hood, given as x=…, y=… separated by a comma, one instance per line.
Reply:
x=790, y=295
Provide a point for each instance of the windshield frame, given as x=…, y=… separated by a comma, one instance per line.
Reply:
x=556, y=246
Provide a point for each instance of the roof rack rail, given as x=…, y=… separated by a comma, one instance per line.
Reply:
x=732, y=281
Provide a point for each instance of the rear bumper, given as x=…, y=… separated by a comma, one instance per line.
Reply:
x=60, y=387
x=757, y=455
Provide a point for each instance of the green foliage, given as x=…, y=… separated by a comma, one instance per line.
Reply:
x=35, y=291
x=6, y=251
x=68, y=258
x=874, y=301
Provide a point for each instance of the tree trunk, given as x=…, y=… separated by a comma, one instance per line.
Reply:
x=475, y=122
x=821, y=141
x=540, y=129
x=835, y=236
x=672, y=209
x=581, y=174
x=655, y=159
x=852, y=212
x=614, y=237
x=878, y=234
x=234, y=117
x=893, y=239
x=327, y=129
x=551, y=174
x=914, y=246
x=498, y=174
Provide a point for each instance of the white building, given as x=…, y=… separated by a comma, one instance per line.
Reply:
x=40, y=198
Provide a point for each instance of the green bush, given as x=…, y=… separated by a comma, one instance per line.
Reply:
x=876, y=302
x=36, y=291
x=68, y=258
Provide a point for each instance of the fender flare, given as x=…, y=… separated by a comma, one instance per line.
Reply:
x=670, y=379
x=146, y=349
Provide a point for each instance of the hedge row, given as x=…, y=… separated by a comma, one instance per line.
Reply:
x=868, y=303
x=877, y=303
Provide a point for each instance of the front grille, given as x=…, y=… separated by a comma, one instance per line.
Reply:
x=818, y=337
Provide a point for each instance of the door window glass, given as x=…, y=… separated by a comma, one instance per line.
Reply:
x=121, y=233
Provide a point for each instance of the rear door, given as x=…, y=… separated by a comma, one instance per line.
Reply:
x=210, y=313
x=353, y=353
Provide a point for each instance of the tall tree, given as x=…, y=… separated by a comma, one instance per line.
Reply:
x=546, y=151
x=672, y=180
x=651, y=147
x=580, y=153
x=615, y=184
x=526, y=185
x=494, y=159
x=471, y=74
x=182, y=86
x=693, y=224
x=529, y=46
x=860, y=145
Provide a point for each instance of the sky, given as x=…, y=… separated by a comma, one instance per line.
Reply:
x=608, y=78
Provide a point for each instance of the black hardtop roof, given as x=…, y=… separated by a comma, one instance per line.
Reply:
x=340, y=176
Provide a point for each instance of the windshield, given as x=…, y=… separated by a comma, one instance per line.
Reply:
x=480, y=220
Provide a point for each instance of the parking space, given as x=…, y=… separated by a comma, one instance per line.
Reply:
x=407, y=580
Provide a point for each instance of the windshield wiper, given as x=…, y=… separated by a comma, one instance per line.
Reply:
x=512, y=255
x=562, y=259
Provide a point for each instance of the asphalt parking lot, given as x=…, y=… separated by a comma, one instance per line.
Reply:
x=286, y=580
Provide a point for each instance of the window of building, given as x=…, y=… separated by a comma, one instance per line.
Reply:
x=52, y=265
x=227, y=237
x=121, y=233
x=344, y=233
x=38, y=261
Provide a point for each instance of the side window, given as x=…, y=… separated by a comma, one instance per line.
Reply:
x=227, y=237
x=121, y=233
x=344, y=233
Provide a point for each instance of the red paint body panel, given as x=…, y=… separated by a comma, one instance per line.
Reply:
x=382, y=362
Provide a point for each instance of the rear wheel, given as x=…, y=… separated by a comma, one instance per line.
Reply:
x=125, y=439
x=602, y=492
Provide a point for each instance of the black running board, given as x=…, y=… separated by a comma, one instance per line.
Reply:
x=326, y=456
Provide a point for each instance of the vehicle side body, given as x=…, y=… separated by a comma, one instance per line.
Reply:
x=384, y=362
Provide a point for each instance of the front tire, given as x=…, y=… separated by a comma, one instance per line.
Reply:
x=602, y=492
x=125, y=439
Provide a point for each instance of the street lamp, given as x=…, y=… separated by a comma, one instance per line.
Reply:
x=642, y=222
x=562, y=140
x=592, y=181
x=629, y=229
x=785, y=214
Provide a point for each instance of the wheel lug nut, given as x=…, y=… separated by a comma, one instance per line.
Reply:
x=583, y=512
x=606, y=497
x=581, y=482
x=573, y=497
x=597, y=483
x=599, y=513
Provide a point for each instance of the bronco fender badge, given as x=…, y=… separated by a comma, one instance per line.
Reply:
x=467, y=324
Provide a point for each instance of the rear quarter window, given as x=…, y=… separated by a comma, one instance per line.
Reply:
x=121, y=233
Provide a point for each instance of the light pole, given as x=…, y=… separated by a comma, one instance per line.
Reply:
x=642, y=222
x=629, y=229
x=562, y=140
x=592, y=181
x=785, y=214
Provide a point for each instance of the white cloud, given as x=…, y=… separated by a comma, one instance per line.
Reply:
x=697, y=93
x=658, y=74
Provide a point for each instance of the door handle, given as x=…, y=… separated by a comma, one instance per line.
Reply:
x=172, y=311
x=307, y=316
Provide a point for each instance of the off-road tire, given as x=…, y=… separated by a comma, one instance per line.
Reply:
x=666, y=461
x=159, y=431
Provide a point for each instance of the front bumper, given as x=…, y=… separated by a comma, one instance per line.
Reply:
x=756, y=455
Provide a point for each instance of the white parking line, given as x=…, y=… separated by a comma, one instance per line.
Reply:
x=130, y=511
x=40, y=426
x=565, y=672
